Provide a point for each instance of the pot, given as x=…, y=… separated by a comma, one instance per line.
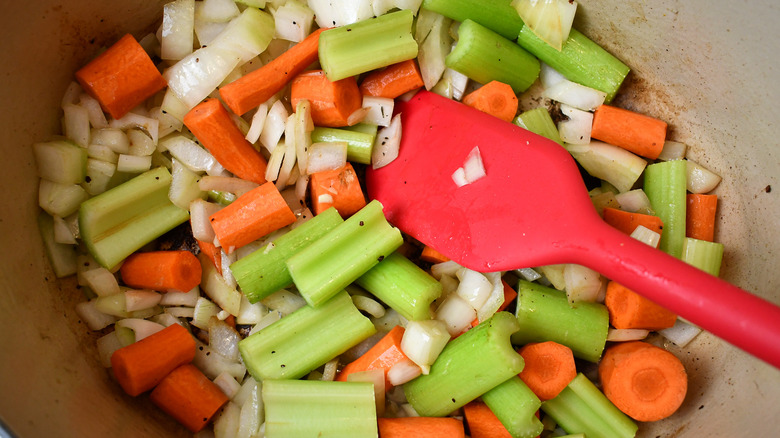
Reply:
x=706, y=67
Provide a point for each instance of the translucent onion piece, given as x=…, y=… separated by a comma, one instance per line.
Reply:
x=624, y=335
x=474, y=287
x=700, y=179
x=402, y=372
x=576, y=95
x=456, y=313
x=681, y=333
x=141, y=299
x=575, y=130
x=582, y=284
x=142, y=328
x=386, y=146
x=327, y=156
x=423, y=341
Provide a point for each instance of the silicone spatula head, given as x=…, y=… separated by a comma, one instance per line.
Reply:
x=532, y=209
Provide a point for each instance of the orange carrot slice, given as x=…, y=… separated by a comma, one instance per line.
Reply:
x=161, y=270
x=211, y=124
x=495, y=98
x=482, y=422
x=256, y=87
x=140, y=366
x=187, y=395
x=638, y=133
x=250, y=217
x=629, y=310
x=549, y=368
x=700, y=216
x=393, y=81
x=121, y=78
x=339, y=188
x=627, y=222
x=646, y=382
x=383, y=355
x=421, y=427
x=331, y=102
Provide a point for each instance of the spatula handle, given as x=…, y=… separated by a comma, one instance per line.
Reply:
x=734, y=315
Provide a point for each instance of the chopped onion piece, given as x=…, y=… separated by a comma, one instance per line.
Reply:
x=192, y=155
x=223, y=339
x=473, y=166
x=94, y=318
x=459, y=177
x=550, y=20
x=97, y=118
x=635, y=201
x=423, y=341
x=616, y=165
x=576, y=95
x=75, y=124
x=142, y=328
x=549, y=77
x=327, y=156
x=101, y=281
x=387, y=143
x=377, y=377
x=646, y=235
x=213, y=364
x=449, y=268
x=456, y=313
x=284, y=302
x=700, y=179
x=368, y=305
x=529, y=274
x=474, y=287
x=275, y=162
x=250, y=313
x=218, y=11
x=673, y=150
x=227, y=384
x=229, y=184
x=495, y=299
x=132, y=120
x=141, y=299
x=402, y=372
x=258, y=121
x=575, y=130
x=357, y=116
x=200, y=211
x=625, y=335
x=177, y=298
x=265, y=321
x=72, y=94
x=106, y=346
x=63, y=233
x=582, y=284
x=133, y=164
x=140, y=143
x=379, y=110
x=302, y=132
x=288, y=162
x=292, y=21
x=681, y=333
x=113, y=137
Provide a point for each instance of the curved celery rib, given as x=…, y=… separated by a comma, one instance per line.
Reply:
x=515, y=405
x=705, y=255
x=544, y=314
x=665, y=186
x=582, y=408
x=359, y=139
x=315, y=408
x=119, y=221
x=497, y=15
x=485, y=56
x=469, y=366
x=367, y=45
x=539, y=121
x=338, y=258
x=402, y=285
x=265, y=271
x=304, y=340
x=580, y=60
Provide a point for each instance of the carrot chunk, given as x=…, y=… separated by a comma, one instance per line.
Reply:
x=393, y=81
x=549, y=367
x=629, y=310
x=250, y=217
x=121, y=78
x=339, y=188
x=495, y=98
x=638, y=133
x=421, y=427
x=254, y=88
x=161, y=270
x=383, y=355
x=482, y=422
x=187, y=395
x=646, y=382
x=212, y=252
x=211, y=124
x=432, y=256
x=700, y=220
x=627, y=222
x=331, y=102
x=140, y=366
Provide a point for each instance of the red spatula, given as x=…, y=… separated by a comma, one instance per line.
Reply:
x=532, y=209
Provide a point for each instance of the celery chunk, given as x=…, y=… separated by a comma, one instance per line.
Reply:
x=120, y=221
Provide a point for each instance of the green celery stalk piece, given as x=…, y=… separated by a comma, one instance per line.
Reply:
x=120, y=221
x=582, y=408
x=469, y=366
x=315, y=408
x=515, y=405
x=305, y=339
x=403, y=286
x=338, y=258
x=666, y=186
x=61, y=256
x=544, y=314
x=707, y=256
x=539, y=121
x=265, y=271
x=359, y=144
x=497, y=15
x=485, y=56
x=367, y=45
x=580, y=60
